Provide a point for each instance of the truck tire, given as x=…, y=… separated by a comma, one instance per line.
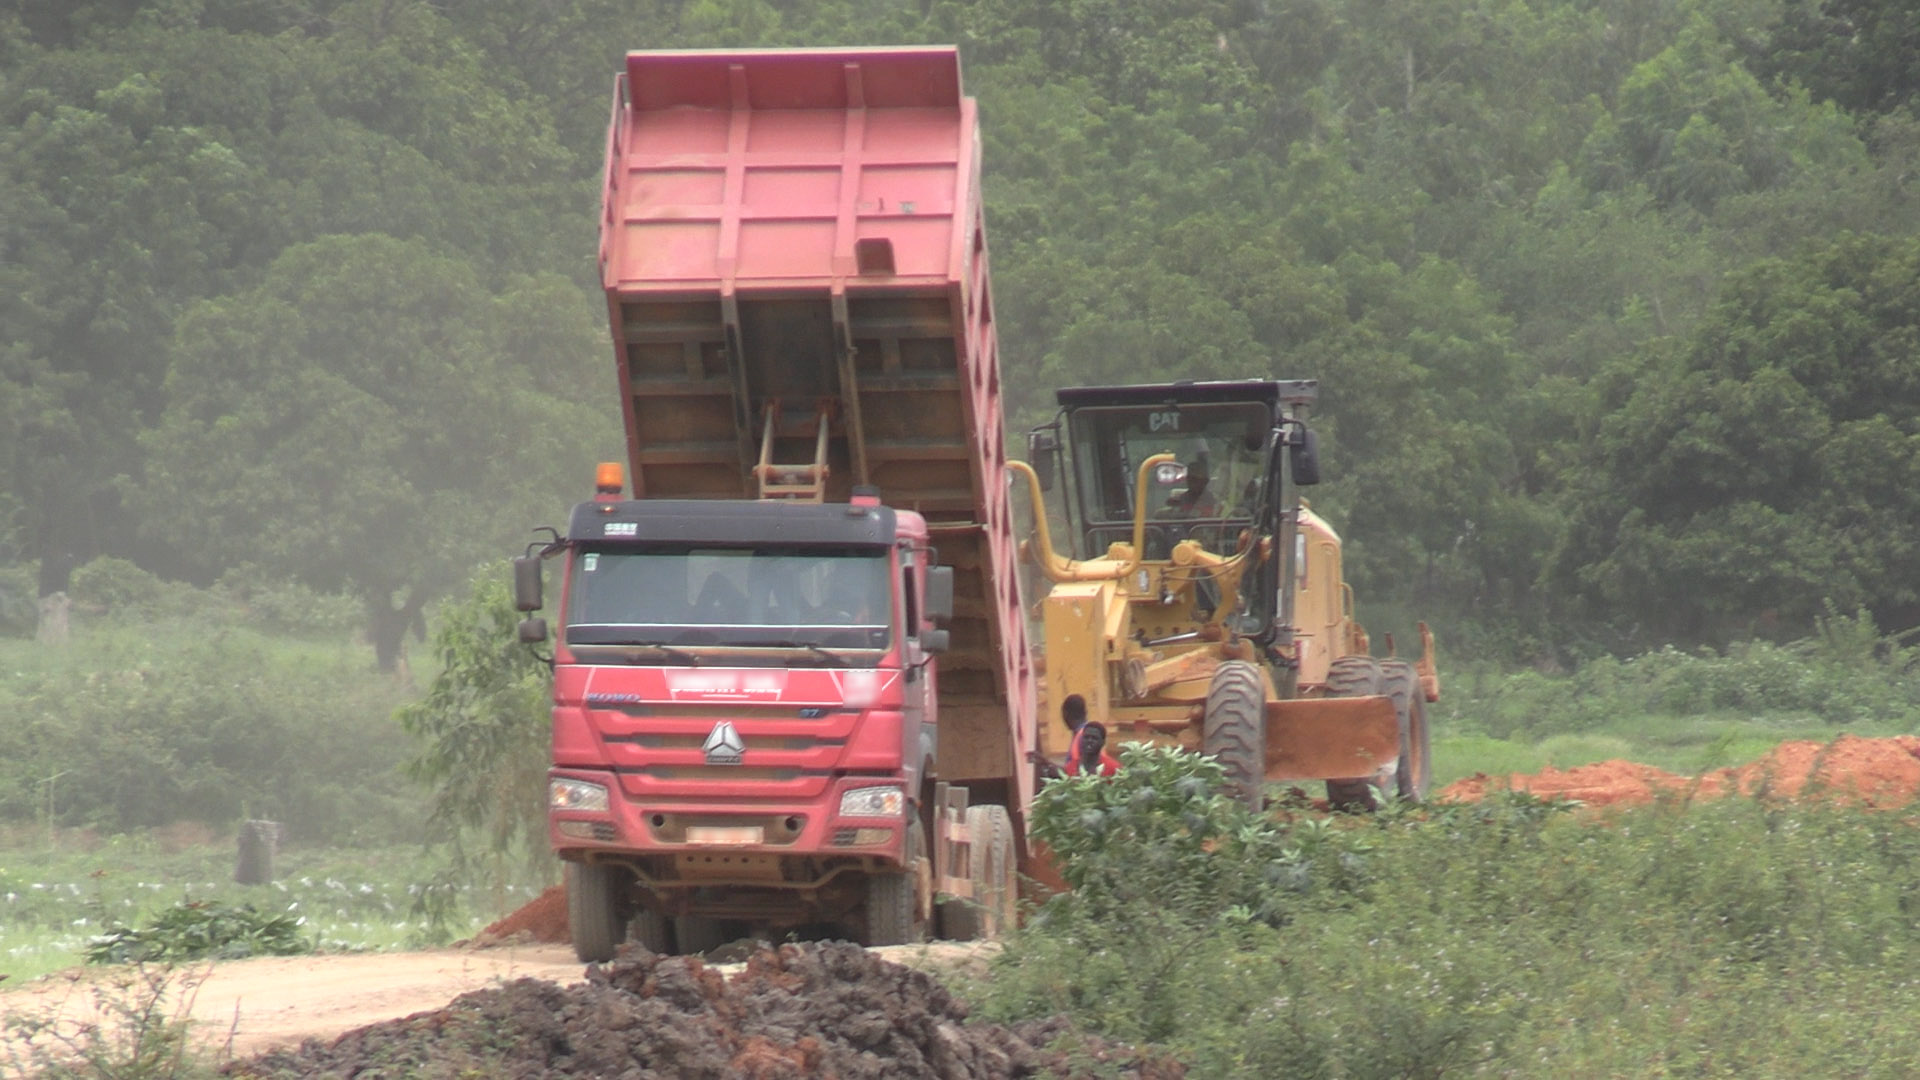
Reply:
x=1415, y=772
x=1354, y=676
x=596, y=909
x=997, y=885
x=1234, y=730
x=996, y=894
x=893, y=903
x=697, y=934
x=650, y=931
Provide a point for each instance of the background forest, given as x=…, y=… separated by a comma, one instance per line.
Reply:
x=1615, y=304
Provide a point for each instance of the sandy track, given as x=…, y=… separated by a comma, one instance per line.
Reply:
x=257, y=1005
x=277, y=1001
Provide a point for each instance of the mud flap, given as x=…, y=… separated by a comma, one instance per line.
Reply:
x=1331, y=738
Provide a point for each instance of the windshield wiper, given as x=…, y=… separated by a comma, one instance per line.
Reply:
x=824, y=654
x=678, y=656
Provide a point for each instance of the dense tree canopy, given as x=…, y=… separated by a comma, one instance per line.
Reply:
x=1571, y=273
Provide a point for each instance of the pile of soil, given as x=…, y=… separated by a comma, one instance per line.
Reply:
x=818, y=1010
x=543, y=919
x=1881, y=773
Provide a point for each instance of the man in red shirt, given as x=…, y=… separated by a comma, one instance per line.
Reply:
x=1089, y=754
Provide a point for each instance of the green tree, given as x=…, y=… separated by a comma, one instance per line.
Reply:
x=358, y=421
x=484, y=733
x=1767, y=465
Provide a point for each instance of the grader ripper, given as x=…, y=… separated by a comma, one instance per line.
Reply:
x=1210, y=612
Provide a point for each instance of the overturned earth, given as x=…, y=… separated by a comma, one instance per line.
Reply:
x=815, y=1010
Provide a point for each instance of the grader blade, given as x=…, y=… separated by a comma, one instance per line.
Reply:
x=1331, y=738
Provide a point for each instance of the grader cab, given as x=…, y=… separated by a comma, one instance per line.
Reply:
x=1202, y=604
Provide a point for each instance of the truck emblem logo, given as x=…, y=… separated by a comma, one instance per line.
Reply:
x=723, y=745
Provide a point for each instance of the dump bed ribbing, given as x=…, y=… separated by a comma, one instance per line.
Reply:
x=788, y=234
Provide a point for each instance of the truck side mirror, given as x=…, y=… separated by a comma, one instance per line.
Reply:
x=526, y=584
x=1305, y=458
x=934, y=642
x=1043, y=448
x=939, y=602
x=533, y=631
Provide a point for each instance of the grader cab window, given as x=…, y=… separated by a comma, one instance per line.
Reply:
x=1214, y=483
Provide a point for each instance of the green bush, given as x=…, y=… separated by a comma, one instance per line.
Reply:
x=136, y=724
x=1511, y=938
x=202, y=930
x=1846, y=675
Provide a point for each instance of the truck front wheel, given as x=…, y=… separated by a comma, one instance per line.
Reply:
x=597, y=909
x=893, y=902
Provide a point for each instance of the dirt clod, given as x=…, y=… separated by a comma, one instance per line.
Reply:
x=816, y=1010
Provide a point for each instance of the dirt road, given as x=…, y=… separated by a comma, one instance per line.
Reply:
x=258, y=1005
x=277, y=1001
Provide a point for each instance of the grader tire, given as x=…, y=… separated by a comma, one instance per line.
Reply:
x=1354, y=676
x=596, y=910
x=1234, y=730
x=1415, y=772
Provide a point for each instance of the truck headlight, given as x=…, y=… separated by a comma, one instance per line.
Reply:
x=889, y=802
x=565, y=794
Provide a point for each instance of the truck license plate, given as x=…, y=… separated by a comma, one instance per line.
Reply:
x=711, y=834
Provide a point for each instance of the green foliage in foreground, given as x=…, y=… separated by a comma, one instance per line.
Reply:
x=1500, y=938
x=195, y=931
x=140, y=1028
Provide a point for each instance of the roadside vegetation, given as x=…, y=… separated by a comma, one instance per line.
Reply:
x=1510, y=937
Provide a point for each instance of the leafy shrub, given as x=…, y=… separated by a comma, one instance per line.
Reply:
x=19, y=600
x=113, y=586
x=483, y=729
x=203, y=930
x=140, y=724
x=1846, y=674
x=290, y=607
x=1728, y=938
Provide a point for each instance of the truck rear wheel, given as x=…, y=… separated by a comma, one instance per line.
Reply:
x=990, y=867
x=1354, y=676
x=1234, y=730
x=893, y=902
x=596, y=909
x=1415, y=772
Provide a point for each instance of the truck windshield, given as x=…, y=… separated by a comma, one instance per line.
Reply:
x=832, y=598
x=1219, y=471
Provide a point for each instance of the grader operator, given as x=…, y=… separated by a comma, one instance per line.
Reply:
x=1202, y=603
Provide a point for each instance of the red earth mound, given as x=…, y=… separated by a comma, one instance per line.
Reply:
x=1880, y=773
x=544, y=918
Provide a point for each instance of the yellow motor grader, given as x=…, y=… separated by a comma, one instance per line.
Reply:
x=1202, y=604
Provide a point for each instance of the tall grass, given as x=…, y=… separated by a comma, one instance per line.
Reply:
x=1505, y=939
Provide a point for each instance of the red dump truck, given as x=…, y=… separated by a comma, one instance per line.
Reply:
x=792, y=682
